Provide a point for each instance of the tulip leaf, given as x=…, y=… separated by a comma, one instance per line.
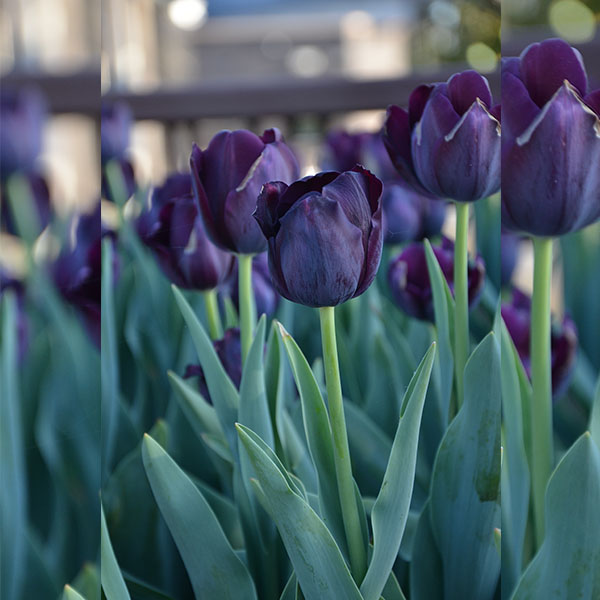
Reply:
x=317, y=560
x=568, y=562
x=319, y=437
x=201, y=415
x=390, y=510
x=443, y=307
x=70, y=593
x=392, y=589
x=426, y=571
x=595, y=416
x=222, y=391
x=13, y=490
x=515, y=470
x=109, y=362
x=214, y=568
x=112, y=580
x=465, y=482
x=290, y=591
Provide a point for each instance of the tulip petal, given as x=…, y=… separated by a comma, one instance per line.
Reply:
x=463, y=164
x=551, y=173
x=396, y=137
x=593, y=101
x=519, y=109
x=320, y=253
x=545, y=65
x=466, y=87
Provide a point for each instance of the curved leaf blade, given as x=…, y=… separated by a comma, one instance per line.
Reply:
x=112, y=580
x=214, y=568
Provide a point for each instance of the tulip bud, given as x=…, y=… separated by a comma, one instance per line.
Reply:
x=77, y=272
x=172, y=228
x=227, y=178
x=550, y=143
x=324, y=235
x=265, y=295
x=563, y=340
x=409, y=282
x=448, y=142
x=229, y=351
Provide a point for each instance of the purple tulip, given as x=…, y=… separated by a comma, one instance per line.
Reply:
x=115, y=130
x=408, y=215
x=509, y=250
x=344, y=150
x=448, y=142
x=227, y=178
x=22, y=114
x=550, y=143
x=229, y=351
x=8, y=282
x=41, y=200
x=324, y=235
x=265, y=296
x=77, y=272
x=408, y=278
x=172, y=228
x=563, y=340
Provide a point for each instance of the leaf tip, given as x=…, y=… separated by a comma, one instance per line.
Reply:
x=283, y=331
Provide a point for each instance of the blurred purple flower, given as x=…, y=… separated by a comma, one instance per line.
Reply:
x=8, y=282
x=22, y=114
x=509, y=250
x=563, y=340
x=227, y=178
x=408, y=215
x=408, y=278
x=265, y=295
x=550, y=142
x=115, y=131
x=324, y=235
x=448, y=142
x=77, y=272
x=172, y=228
x=229, y=351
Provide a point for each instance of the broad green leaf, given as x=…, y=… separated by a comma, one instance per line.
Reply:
x=87, y=582
x=319, y=437
x=112, y=580
x=392, y=589
x=109, y=362
x=140, y=590
x=317, y=560
x=70, y=593
x=199, y=412
x=290, y=590
x=568, y=562
x=390, y=510
x=426, y=571
x=515, y=470
x=443, y=309
x=214, y=569
x=595, y=416
x=13, y=475
x=223, y=393
x=465, y=484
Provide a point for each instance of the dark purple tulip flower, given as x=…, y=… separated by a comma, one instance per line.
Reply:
x=408, y=215
x=408, y=278
x=77, y=272
x=172, y=228
x=227, y=178
x=563, y=340
x=324, y=234
x=265, y=295
x=229, y=351
x=448, y=142
x=509, y=250
x=8, y=282
x=22, y=114
x=550, y=142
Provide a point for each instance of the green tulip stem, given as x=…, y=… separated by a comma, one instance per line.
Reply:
x=343, y=467
x=247, y=305
x=461, y=297
x=215, y=328
x=541, y=381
